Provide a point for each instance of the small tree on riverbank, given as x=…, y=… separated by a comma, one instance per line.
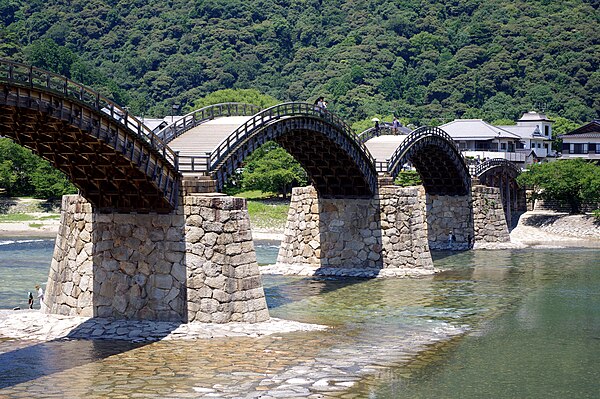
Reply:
x=570, y=182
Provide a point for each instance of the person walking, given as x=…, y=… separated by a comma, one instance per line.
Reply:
x=30, y=300
x=395, y=126
x=40, y=294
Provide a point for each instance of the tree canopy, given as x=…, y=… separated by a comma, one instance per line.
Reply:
x=22, y=173
x=429, y=62
x=570, y=182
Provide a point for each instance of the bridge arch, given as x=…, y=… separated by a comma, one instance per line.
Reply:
x=115, y=161
x=501, y=173
x=437, y=159
x=337, y=162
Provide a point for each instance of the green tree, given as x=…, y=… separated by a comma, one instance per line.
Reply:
x=407, y=178
x=249, y=96
x=272, y=169
x=570, y=182
x=23, y=173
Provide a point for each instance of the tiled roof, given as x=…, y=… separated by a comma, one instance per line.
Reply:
x=475, y=129
x=592, y=127
x=533, y=116
x=526, y=132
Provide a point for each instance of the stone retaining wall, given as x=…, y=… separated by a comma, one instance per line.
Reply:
x=195, y=265
x=388, y=232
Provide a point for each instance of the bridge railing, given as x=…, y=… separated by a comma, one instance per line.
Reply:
x=416, y=135
x=493, y=163
x=199, y=116
x=210, y=161
x=385, y=129
x=27, y=76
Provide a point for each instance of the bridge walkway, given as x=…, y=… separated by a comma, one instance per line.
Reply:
x=382, y=148
x=205, y=138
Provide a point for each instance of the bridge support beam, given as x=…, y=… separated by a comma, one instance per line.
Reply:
x=197, y=264
x=386, y=235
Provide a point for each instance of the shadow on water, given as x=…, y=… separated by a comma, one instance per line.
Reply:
x=43, y=359
x=280, y=294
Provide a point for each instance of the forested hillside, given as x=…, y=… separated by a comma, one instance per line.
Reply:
x=428, y=61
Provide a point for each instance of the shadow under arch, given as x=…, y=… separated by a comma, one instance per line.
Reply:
x=501, y=173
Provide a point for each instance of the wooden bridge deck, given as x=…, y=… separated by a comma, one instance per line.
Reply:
x=207, y=136
x=383, y=147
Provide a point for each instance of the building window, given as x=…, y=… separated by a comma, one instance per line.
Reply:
x=546, y=130
x=579, y=148
x=503, y=146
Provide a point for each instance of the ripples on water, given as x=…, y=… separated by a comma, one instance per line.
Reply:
x=533, y=318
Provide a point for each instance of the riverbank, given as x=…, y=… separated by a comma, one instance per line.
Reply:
x=35, y=325
x=534, y=229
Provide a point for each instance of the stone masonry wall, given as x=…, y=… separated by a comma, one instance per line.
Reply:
x=118, y=265
x=224, y=282
x=387, y=232
x=446, y=215
x=488, y=215
x=198, y=266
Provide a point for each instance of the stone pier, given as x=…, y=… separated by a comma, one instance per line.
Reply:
x=489, y=220
x=449, y=222
x=340, y=236
x=197, y=264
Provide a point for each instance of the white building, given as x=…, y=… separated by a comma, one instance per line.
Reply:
x=583, y=142
x=535, y=131
x=479, y=140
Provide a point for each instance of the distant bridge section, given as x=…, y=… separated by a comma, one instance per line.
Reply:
x=431, y=151
x=337, y=162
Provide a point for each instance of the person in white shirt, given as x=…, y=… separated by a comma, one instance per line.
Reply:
x=40, y=294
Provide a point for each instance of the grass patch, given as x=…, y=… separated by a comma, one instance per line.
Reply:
x=266, y=210
x=35, y=225
x=15, y=217
x=25, y=217
x=255, y=195
x=50, y=217
x=268, y=214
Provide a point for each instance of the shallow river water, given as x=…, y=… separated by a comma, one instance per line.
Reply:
x=494, y=324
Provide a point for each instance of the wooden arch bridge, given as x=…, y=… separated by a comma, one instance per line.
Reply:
x=120, y=165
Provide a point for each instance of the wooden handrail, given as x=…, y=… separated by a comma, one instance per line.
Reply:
x=19, y=74
x=199, y=116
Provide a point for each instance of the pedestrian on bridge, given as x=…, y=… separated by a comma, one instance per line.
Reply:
x=395, y=126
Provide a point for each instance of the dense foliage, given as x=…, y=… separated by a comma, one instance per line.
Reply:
x=570, y=182
x=408, y=178
x=271, y=169
x=426, y=61
x=24, y=174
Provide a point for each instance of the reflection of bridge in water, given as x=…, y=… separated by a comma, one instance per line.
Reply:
x=150, y=238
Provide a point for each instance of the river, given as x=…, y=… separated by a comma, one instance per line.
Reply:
x=498, y=324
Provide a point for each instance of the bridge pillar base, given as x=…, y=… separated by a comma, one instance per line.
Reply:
x=449, y=222
x=197, y=264
x=198, y=184
x=341, y=236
